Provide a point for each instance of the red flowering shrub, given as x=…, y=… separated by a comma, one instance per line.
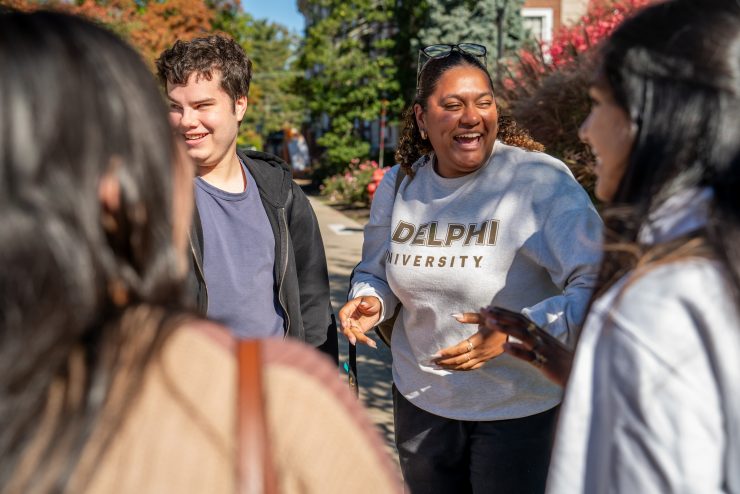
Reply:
x=351, y=187
x=546, y=88
x=599, y=21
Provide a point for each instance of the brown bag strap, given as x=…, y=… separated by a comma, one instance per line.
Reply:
x=255, y=471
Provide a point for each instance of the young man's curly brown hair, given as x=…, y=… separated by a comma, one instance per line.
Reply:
x=203, y=56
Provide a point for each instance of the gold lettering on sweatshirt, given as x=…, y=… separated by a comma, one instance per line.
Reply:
x=403, y=233
x=455, y=231
x=419, y=238
x=432, y=241
x=429, y=234
x=433, y=261
x=477, y=232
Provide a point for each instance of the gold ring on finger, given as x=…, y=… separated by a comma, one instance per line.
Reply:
x=468, y=354
x=470, y=345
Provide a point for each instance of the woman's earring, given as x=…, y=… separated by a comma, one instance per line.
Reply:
x=423, y=134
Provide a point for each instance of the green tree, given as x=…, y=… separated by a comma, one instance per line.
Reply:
x=350, y=73
x=410, y=17
x=474, y=21
x=427, y=22
x=273, y=103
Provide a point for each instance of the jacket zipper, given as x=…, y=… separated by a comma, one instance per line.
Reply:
x=200, y=272
x=284, y=268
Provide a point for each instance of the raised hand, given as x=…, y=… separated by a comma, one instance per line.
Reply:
x=357, y=317
x=473, y=352
x=534, y=345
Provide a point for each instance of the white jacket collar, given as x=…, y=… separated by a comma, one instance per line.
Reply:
x=680, y=214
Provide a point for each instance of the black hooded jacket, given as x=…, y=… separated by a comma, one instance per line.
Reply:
x=300, y=273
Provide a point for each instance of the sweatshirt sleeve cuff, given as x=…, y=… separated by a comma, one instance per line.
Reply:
x=366, y=291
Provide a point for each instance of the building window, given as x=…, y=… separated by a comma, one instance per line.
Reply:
x=538, y=22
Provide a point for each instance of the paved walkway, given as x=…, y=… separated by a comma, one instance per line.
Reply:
x=343, y=243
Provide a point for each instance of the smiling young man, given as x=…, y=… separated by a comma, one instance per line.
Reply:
x=258, y=258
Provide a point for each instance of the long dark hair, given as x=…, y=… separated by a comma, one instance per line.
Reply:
x=675, y=69
x=76, y=103
x=411, y=146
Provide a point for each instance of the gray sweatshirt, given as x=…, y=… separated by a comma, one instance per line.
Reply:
x=520, y=233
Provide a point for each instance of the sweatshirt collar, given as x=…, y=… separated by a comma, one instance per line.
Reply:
x=429, y=159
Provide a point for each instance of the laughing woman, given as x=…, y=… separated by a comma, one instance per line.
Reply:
x=474, y=221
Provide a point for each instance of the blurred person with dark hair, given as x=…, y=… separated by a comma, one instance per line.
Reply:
x=474, y=221
x=653, y=399
x=107, y=384
x=258, y=263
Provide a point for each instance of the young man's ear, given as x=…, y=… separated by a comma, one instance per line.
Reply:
x=240, y=107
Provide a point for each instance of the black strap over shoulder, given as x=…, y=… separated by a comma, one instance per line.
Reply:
x=352, y=353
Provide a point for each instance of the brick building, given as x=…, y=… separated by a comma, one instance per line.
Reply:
x=544, y=17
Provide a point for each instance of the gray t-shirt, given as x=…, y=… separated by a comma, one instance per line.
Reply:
x=238, y=260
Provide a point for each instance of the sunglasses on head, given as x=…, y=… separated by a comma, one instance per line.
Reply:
x=434, y=52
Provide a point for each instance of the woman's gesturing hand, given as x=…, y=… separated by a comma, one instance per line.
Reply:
x=535, y=345
x=474, y=351
x=358, y=316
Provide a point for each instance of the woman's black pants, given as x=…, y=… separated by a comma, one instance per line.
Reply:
x=440, y=455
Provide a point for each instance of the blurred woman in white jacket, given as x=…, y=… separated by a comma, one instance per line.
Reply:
x=653, y=399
